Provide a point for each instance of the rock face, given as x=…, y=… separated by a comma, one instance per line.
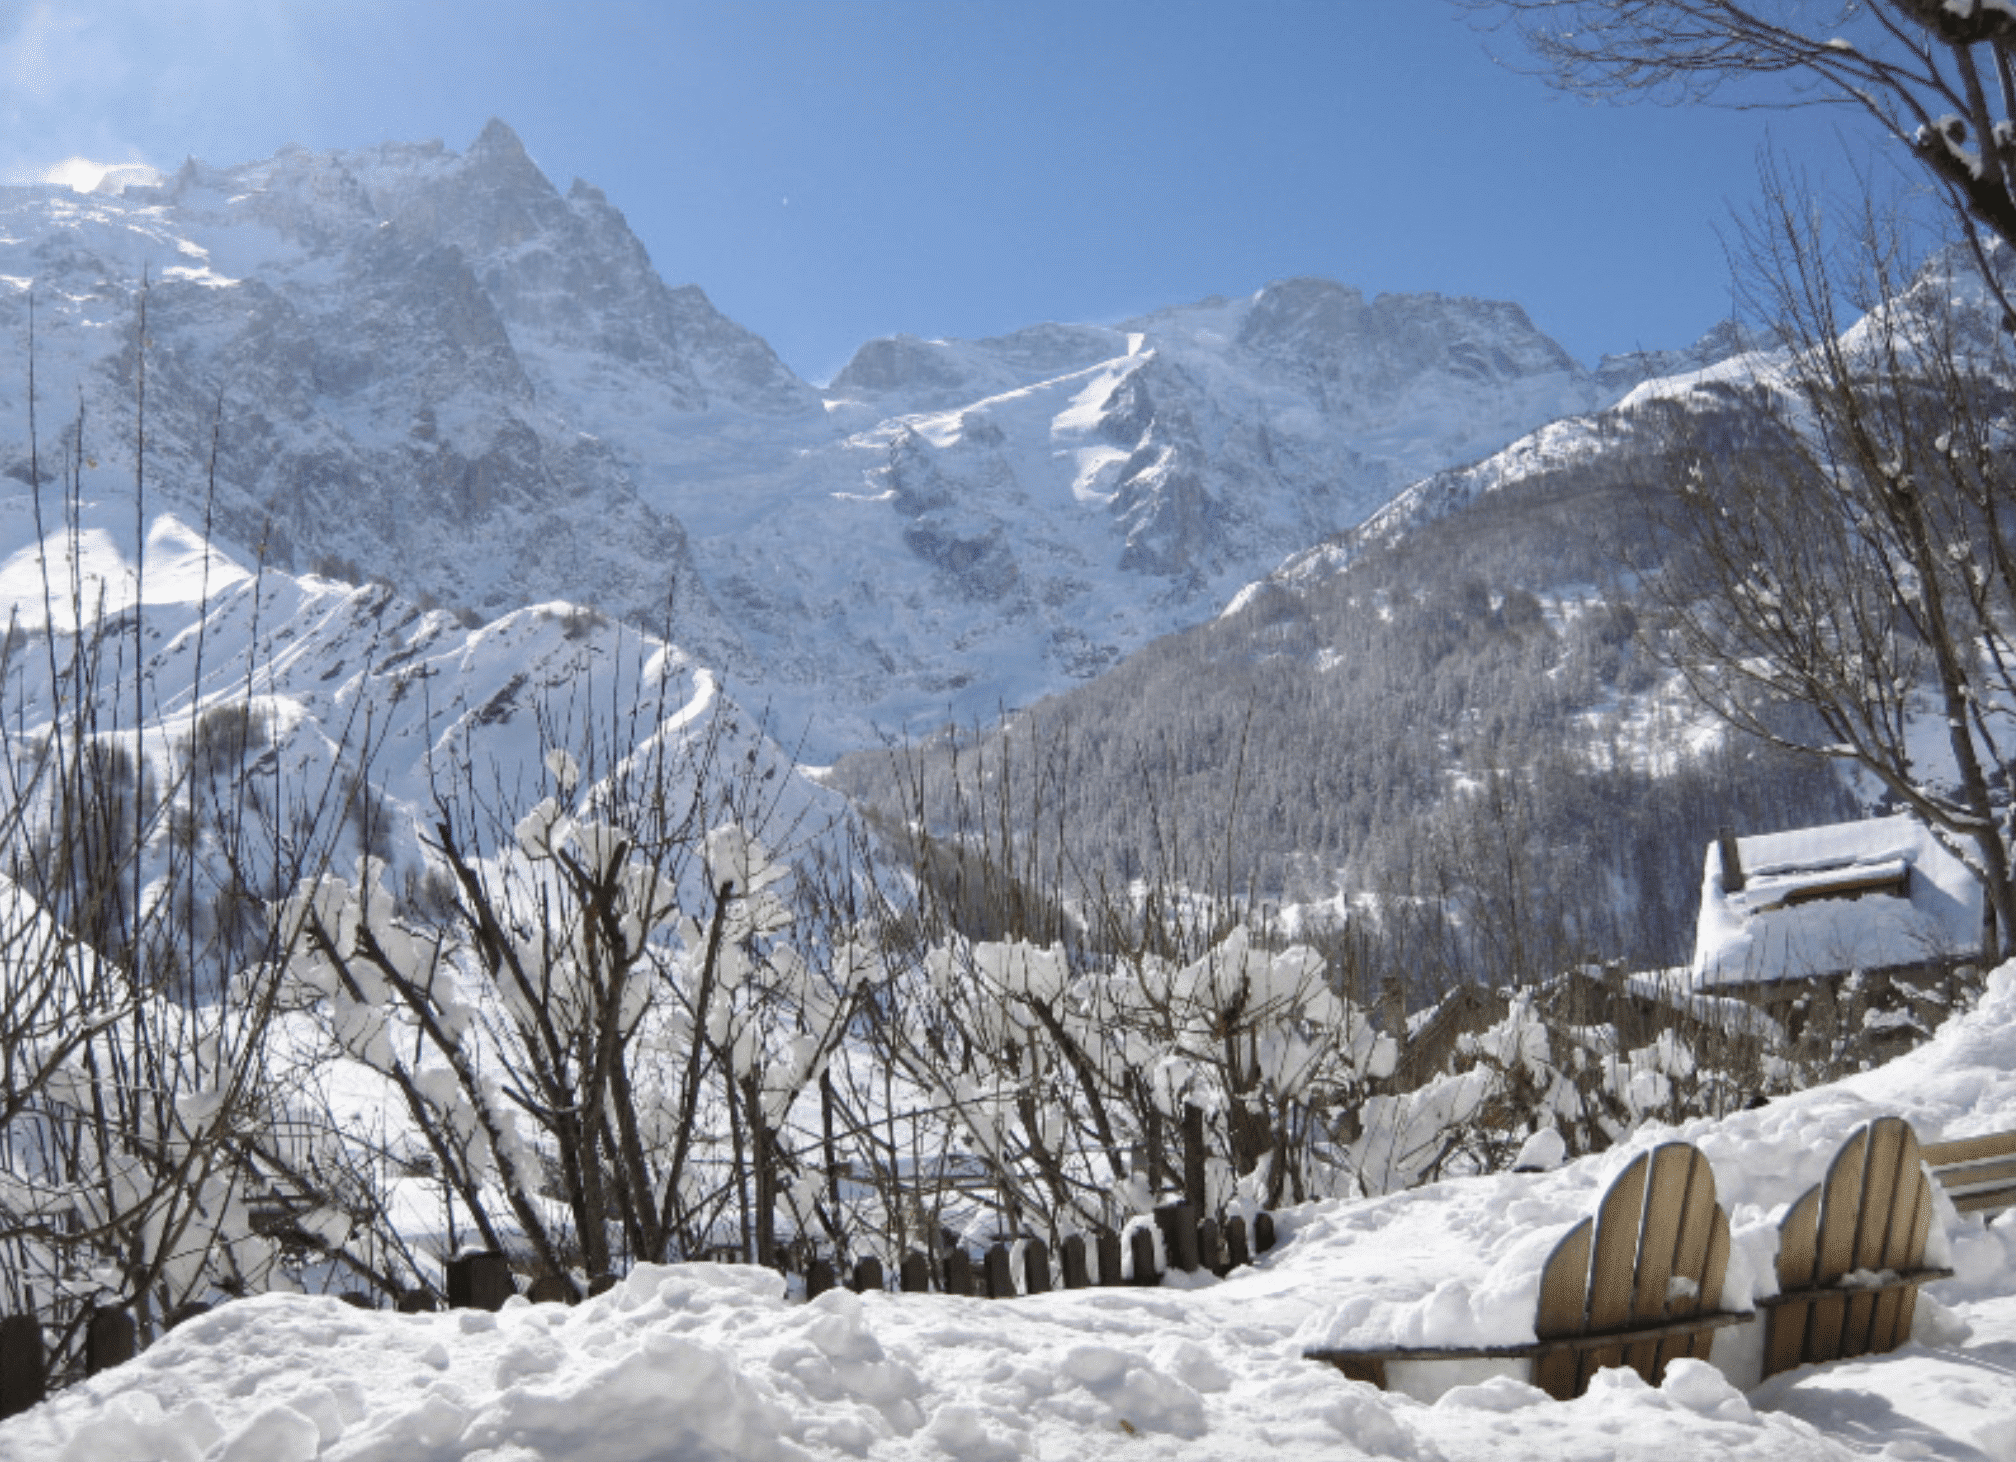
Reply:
x=437, y=368
x=1069, y=492
x=370, y=362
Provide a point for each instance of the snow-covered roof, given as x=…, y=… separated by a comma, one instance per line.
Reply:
x=1851, y=896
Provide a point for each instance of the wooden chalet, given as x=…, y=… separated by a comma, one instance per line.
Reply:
x=1868, y=928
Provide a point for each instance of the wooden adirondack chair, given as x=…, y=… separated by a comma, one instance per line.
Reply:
x=1650, y=1273
x=1640, y=1284
x=1851, y=1253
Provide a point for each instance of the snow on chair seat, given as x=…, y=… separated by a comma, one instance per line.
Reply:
x=1851, y=1253
x=1627, y=1287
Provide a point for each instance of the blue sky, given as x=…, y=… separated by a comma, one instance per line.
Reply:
x=833, y=170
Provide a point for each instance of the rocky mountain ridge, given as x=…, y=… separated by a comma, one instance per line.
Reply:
x=436, y=368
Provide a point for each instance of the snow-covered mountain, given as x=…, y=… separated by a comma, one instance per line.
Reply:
x=394, y=357
x=436, y=368
x=344, y=719
x=1088, y=490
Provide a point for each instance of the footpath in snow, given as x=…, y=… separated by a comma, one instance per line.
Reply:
x=713, y=1362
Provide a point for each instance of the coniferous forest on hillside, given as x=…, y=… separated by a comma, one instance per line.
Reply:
x=1466, y=725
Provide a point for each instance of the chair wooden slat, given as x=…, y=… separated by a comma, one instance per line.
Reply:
x=1785, y=1330
x=1613, y=1271
x=1979, y=1173
x=1370, y=1369
x=2001, y=1170
x=1970, y=1149
x=1691, y=1249
x=1834, y=1253
x=1921, y=1229
x=1713, y=1271
x=1898, y=1252
x=1986, y=1200
x=1875, y=1209
x=1564, y=1299
x=1658, y=1244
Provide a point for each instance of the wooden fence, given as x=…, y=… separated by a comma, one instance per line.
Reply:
x=483, y=1280
x=1188, y=1244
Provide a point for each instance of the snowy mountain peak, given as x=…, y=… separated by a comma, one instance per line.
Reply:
x=914, y=374
x=1721, y=342
x=498, y=148
x=899, y=363
x=437, y=368
x=1355, y=347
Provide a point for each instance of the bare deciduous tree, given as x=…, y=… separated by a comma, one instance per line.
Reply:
x=1859, y=560
x=1939, y=76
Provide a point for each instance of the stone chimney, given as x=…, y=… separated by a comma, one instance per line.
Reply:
x=1732, y=862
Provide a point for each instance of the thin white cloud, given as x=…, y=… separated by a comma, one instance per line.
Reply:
x=39, y=45
x=45, y=54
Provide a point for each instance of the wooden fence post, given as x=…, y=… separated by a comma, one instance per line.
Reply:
x=109, y=1340
x=183, y=1313
x=1211, y=1248
x=1000, y=1278
x=1076, y=1275
x=913, y=1275
x=417, y=1302
x=24, y=1369
x=819, y=1278
x=1237, y=1253
x=1036, y=1267
x=959, y=1272
x=479, y=1280
x=601, y=1284
x=1178, y=1222
x=1109, y=1258
x=1193, y=1157
x=553, y=1289
x=1142, y=1245
x=867, y=1274
x=1263, y=1232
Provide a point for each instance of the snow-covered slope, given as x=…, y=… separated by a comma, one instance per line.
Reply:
x=437, y=368
x=372, y=718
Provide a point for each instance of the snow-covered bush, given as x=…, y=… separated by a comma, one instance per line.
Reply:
x=598, y=1045
x=136, y=996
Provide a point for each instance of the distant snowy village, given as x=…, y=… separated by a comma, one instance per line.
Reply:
x=1302, y=874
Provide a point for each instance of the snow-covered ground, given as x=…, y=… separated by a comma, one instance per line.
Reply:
x=702, y=1361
